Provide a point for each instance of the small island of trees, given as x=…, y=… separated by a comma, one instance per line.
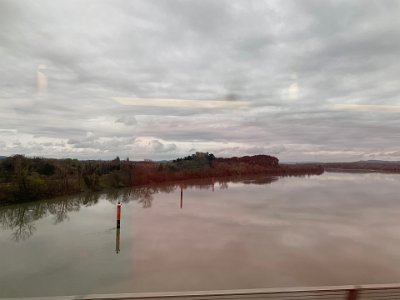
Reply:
x=26, y=179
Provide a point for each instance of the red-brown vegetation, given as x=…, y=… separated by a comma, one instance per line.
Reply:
x=201, y=167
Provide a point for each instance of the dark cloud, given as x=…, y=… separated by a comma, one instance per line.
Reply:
x=159, y=147
x=294, y=62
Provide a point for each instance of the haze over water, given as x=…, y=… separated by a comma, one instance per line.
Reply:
x=333, y=229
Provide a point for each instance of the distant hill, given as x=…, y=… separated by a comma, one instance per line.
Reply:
x=3, y=157
x=365, y=165
x=374, y=161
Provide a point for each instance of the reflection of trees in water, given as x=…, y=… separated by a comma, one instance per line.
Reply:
x=223, y=185
x=60, y=210
x=115, y=194
x=261, y=180
x=89, y=198
x=141, y=194
x=21, y=218
x=146, y=200
x=144, y=194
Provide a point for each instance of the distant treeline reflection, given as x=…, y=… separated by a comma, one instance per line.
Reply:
x=21, y=218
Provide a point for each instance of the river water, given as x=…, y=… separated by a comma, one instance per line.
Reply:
x=332, y=229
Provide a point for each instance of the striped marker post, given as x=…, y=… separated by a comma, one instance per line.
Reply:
x=119, y=214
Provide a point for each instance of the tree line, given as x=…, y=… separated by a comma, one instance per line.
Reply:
x=26, y=179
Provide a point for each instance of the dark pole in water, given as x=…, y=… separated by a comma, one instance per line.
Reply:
x=117, y=240
x=352, y=294
x=181, y=196
x=118, y=214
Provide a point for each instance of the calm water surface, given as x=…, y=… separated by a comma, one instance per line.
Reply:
x=333, y=229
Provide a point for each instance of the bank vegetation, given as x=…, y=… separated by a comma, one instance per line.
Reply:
x=26, y=179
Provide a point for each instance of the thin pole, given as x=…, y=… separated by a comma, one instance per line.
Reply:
x=118, y=214
x=181, y=197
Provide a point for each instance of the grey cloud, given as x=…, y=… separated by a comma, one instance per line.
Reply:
x=109, y=144
x=159, y=147
x=127, y=120
x=334, y=51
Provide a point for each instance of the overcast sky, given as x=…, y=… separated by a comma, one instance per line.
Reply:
x=300, y=80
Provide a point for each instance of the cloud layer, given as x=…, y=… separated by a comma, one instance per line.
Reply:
x=302, y=80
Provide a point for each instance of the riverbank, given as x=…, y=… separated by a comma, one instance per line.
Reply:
x=26, y=179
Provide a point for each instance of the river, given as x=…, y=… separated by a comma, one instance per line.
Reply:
x=332, y=229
